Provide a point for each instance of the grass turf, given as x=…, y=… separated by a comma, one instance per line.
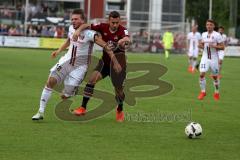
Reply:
x=23, y=74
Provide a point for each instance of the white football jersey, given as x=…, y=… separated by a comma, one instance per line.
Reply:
x=221, y=52
x=194, y=39
x=213, y=38
x=79, y=52
x=224, y=38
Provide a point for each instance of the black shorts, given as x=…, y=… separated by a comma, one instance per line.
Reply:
x=116, y=78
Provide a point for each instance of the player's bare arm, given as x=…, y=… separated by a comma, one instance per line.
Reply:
x=201, y=45
x=124, y=42
x=116, y=66
x=79, y=30
x=219, y=46
x=63, y=47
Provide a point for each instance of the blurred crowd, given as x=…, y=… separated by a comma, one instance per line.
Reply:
x=33, y=31
x=38, y=9
x=141, y=43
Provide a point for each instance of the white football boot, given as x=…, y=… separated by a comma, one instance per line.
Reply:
x=38, y=116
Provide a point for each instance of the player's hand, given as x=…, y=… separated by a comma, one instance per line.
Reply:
x=75, y=36
x=117, y=67
x=54, y=54
x=124, y=44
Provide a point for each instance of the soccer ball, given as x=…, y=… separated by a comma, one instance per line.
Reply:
x=193, y=130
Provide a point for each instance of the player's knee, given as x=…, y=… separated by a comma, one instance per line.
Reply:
x=215, y=77
x=69, y=91
x=51, y=82
x=202, y=75
x=64, y=97
x=92, y=81
x=94, y=78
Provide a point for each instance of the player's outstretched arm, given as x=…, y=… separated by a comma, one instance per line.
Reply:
x=76, y=34
x=116, y=66
x=63, y=47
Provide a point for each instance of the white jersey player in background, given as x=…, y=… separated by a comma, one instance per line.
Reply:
x=193, y=39
x=211, y=42
x=72, y=67
x=221, y=52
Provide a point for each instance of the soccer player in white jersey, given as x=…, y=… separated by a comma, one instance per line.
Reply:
x=211, y=42
x=221, y=52
x=72, y=67
x=193, y=40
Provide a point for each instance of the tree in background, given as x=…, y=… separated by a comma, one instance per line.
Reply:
x=225, y=13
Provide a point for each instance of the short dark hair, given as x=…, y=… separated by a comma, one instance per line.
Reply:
x=211, y=21
x=80, y=12
x=221, y=27
x=114, y=14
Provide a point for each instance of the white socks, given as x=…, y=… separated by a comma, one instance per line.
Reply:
x=194, y=62
x=202, y=82
x=216, y=85
x=46, y=94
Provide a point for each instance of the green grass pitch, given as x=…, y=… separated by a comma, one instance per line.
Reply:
x=23, y=73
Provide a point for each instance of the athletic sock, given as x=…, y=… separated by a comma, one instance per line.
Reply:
x=120, y=100
x=194, y=64
x=88, y=92
x=202, y=83
x=46, y=94
x=216, y=83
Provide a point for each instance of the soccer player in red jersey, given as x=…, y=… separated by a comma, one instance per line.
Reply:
x=117, y=37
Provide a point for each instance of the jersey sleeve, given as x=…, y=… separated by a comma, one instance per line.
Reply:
x=90, y=34
x=199, y=36
x=96, y=27
x=69, y=31
x=124, y=32
x=202, y=38
x=219, y=38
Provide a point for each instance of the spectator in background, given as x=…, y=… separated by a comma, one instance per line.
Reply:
x=59, y=33
x=44, y=31
x=12, y=31
x=52, y=31
x=39, y=29
x=19, y=13
x=3, y=29
x=44, y=8
x=31, y=31
x=167, y=42
x=22, y=13
x=19, y=30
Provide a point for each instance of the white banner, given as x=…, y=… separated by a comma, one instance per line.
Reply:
x=232, y=51
x=14, y=41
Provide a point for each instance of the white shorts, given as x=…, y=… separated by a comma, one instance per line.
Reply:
x=193, y=53
x=71, y=75
x=221, y=54
x=206, y=63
